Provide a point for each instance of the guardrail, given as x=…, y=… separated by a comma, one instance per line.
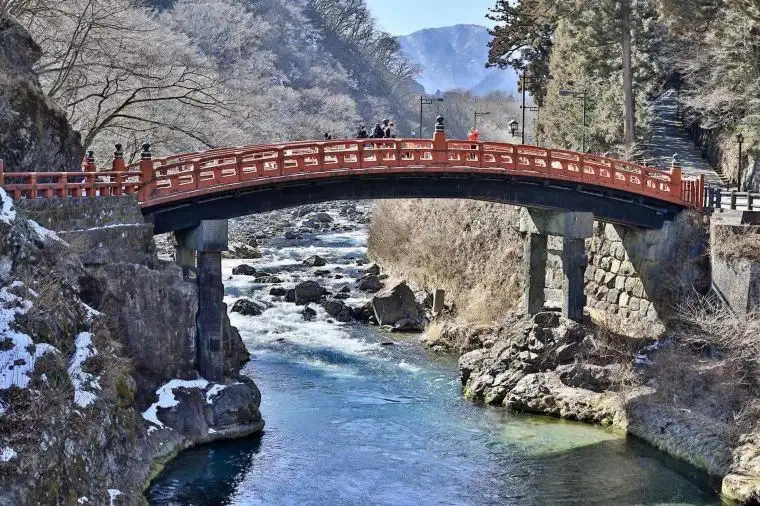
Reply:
x=720, y=198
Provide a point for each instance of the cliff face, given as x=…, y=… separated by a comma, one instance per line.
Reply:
x=34, y=132
x=98, y=385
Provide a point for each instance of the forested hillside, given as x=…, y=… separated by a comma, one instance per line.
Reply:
x=622, y=53
x=190, y=74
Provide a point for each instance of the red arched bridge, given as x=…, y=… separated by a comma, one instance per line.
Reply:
x=177, y=192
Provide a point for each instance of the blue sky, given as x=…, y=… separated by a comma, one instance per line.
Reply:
x=402, y=17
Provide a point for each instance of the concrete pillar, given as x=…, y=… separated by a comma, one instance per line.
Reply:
x=210, y=315
x=573, y=227
x=208, y=239
x=573, y=268
x=534, y=272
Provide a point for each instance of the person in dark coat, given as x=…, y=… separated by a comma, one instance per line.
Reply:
x=378, y=131
x=328, y=136
x=362, y=133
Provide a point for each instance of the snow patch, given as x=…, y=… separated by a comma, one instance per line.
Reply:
x=211, y=431
x=214, y=391
x=7, y=212
x=7, y=453
x=44, y=233
x=81, y=380
x=18, y=360
x=166, y=398
x=82, y=500
x=113, y=494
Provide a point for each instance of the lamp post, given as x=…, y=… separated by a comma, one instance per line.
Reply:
x=525, y=80
x=426, y=101
x=475, y=121
x=740, y=140
x=513, y=126
x=582, y=95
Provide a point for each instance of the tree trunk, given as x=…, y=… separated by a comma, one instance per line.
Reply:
x=629, y=119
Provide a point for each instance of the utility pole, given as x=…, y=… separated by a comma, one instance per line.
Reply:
x=426, y=101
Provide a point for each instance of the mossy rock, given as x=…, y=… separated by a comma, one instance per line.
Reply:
x=126, y=388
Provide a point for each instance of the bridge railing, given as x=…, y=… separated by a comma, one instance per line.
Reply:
x=720, y=198
x=161, y=180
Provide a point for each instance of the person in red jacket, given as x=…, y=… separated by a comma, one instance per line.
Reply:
x=474, y=135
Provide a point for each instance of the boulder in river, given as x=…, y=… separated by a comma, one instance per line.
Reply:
x=395, y=304
x=268, y=279
x=315, y=261
x=308, y=314
x=341, y=296
x=370, y=284
x=240, y=250
x=290, y=295
x=416, y=324
x=308, y=291
x=246, y=307
x=373, y=269
x=362, y=314
x=323, y=218
x=244, y=270
x=290, y=235
x=278, y=291
x=321, y=273
x=337, y=310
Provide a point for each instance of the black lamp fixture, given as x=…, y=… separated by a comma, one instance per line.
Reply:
x=513, y=126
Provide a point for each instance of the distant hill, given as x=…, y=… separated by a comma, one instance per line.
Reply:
x=454, y=57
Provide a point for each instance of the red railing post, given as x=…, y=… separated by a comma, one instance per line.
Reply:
x=2, y=170
x=440, y=151
x=119, y=168
x=146, y=173
x=89, y=162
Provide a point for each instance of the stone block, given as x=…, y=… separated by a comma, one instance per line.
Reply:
x=572, y=225
x=604, y=250
x=609, y=280
x=606, y=263
x=599, y=276
x=737, y=282
x=554, y=242
x=618, y=251
x=590, y=272
x=626, y=268
x=634, y=303
x=613, y=296
x=620, y=283
x=624, y=299
x=612, y=233
x=615, y=267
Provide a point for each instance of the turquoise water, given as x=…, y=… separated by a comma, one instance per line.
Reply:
x=349, y=421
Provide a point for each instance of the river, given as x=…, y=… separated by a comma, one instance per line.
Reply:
x=352, y=420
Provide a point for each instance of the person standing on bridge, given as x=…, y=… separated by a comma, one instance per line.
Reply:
x=362, y=133
x=474, y=135
x=328, y=136
x=378, y=131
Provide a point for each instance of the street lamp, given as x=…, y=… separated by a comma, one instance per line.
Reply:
x=475, y=122
x=525, y=80
x=583, y=95
x=513, y=125
x=426, y=101
x=740, y=140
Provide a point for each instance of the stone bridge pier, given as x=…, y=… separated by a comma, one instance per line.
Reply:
x=200, y=249
x=574, y=228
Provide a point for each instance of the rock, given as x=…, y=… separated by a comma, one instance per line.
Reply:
x=337, y=310
x=395, y=304
x=246, y=307
x=363, y=314
x=304, y=210
x=323, y=218
x=308, y=314
x=290, y=235
x=236, y=404
x=239, y=250
x=409, y=325
x=315, y=261
x=341, y=296
x=470, y=362
x=321, y=273
x=278, y=291
x=591, y=377
x=373, y=269
x=268, y=279
x=290, y=295
x=370, y=284
x=308, y=291
x=35, y=135
x=345, y=289
x=244, y=270
x=544, y=393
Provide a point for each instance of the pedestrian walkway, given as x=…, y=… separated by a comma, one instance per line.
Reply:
x=669, y=138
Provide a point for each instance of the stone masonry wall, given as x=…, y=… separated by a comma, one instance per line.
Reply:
x=636, y=276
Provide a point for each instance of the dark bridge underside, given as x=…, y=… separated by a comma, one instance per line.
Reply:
x=607, y=205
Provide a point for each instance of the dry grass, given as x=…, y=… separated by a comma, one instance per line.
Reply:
x=736, y=243
x=470, y=249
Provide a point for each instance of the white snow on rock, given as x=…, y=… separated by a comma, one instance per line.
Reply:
x=44, y=233
x=7, y=453
x=113, y=494
x=7, y=212
x=166, y=398
x=211, y=431
x=19, y=353
x=83, y=381
x=82, y=500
